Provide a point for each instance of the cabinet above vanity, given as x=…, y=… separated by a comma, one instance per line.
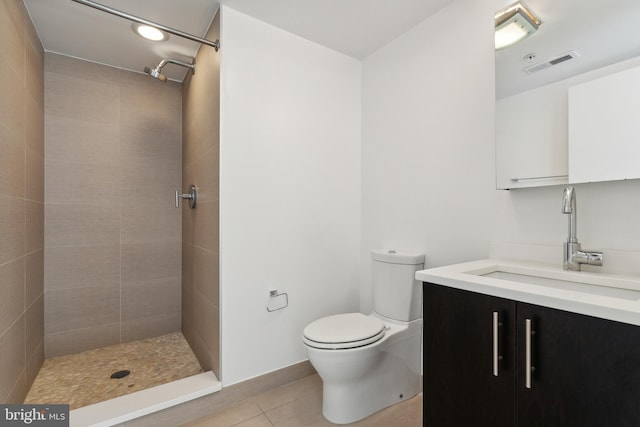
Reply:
x=559, y=110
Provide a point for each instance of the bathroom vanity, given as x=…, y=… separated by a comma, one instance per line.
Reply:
x=518, y=344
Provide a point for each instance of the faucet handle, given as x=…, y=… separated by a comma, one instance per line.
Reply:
x=594, y=258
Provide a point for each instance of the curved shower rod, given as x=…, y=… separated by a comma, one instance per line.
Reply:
x=116, y=12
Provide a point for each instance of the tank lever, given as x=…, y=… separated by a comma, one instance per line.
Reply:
x=274, y=294
x=192, y=196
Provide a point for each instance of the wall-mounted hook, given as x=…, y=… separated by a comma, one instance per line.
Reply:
x=275, y=294
x=192, y=196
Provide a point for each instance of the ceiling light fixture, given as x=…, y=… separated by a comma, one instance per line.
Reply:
x=149, y=32
x=514, y=23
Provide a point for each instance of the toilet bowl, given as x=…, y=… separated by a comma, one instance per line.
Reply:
x=369, y=362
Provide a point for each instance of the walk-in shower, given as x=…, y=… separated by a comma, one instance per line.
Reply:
x=114, y=280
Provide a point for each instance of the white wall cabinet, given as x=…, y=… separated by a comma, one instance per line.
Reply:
x=604, y=128
x=531, y=139
x=582, y=129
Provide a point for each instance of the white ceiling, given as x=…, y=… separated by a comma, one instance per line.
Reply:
x=601, y=31
x=606, y=31
x=353, y=27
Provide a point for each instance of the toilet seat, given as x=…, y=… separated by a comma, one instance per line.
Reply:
x=343, y=331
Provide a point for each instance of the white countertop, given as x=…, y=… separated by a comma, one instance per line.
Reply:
x=607, y=296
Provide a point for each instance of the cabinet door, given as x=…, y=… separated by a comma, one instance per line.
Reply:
x=586, y=370
x=460, y=388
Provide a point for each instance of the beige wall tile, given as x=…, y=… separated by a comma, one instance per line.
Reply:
x=112, y=169
x=12, y=227
x=148, y=99
x=150, y=326
x=34, y=187
x=81, y=225
x=200, y=235
x=12, y=364
x=150, y=298
x=80, y=183
x=35, y=65
x=82, y=266
x=12, y=293
x=78, y=141
x=206, y=226
x=76, y=97
x=206, y=269
x=148, y=261
x=34, y=326
x=34, y=363
x=12, y=40
x=188, y=272
x=34, y=110
x=69, y=309
x=81, y=339
x=200, y=349
x=150, y=142
x=34, y=276
x=188, y=308
x=207, y=174
x=208, y=323
x=19, y=391
x=79, y=69
x=35, y=226
x=12, y=160
x=151, y=216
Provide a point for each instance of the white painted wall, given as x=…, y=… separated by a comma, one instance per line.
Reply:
x=428, y=181
x=289, y=191
x=291, y=185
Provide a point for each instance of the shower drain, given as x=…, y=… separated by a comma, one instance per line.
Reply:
x=120, y=374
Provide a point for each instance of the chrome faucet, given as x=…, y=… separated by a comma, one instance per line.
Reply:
x=573, y=256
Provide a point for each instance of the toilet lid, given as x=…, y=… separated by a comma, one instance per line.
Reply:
x=342, y=331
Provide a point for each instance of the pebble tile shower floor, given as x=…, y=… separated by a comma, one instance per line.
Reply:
x=85, y=378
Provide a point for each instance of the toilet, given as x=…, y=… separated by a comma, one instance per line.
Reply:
x=369, y=362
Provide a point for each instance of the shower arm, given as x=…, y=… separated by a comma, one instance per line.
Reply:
x=175, y=61
x=116, y=12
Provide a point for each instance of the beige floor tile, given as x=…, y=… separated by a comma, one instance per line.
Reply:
x=259, y=421
x=244, y=411
x=307, y=411
x=405, y=414
x=288, y=393
x=301, y=412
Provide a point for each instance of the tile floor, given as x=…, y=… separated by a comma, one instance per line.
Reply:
x=299, y=404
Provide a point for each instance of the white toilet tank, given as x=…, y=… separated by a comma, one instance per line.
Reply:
x=396, y=293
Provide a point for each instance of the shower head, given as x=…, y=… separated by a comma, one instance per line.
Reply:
x=156, y=71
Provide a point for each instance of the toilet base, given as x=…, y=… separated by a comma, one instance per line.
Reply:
x=350, y=402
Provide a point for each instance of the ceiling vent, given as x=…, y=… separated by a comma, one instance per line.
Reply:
x=551, y=62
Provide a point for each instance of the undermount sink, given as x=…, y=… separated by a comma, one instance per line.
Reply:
x=576, y=286
x=605, y=295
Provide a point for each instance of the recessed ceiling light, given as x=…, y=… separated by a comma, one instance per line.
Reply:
x=150, y=33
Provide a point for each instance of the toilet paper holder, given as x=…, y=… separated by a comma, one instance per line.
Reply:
x=273, y=293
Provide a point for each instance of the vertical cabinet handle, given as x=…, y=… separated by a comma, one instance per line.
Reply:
x=495, y=343
x=528, y=368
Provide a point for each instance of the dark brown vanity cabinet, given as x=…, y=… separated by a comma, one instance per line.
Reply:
x=584, y=371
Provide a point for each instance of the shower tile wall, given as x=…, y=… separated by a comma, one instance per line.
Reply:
x=21, y=202
x=200, y=237
x=112, y=262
